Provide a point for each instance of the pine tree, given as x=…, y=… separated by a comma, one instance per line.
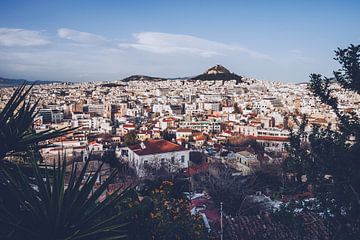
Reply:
x=330, y=159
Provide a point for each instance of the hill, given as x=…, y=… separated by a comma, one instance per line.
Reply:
x=218, y=73
x=143, y=78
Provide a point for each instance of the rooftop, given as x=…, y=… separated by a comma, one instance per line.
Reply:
x=151, y=147
x=266, y=227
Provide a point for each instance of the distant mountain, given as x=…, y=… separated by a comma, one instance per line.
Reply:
x=143, y=78
x=7, y=82
x=218, y=73
x=112, y=85
x=215, y=73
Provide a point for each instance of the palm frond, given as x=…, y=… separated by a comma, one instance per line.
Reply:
x=16, y=120
x=48, y=207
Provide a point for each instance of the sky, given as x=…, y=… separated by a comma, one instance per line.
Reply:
x=104, y=40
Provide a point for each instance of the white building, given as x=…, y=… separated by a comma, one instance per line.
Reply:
x=244, y=162
x=155, y=154
x=183, y=133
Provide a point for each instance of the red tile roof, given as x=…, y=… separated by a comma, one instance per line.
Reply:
x=156, y=147
x=169, y=119
x=200, y=138
x=184, y=130
x=129, y=125
x=197, y=169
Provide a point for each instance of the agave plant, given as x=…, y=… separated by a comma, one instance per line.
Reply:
x=45, y=207
x=16, y=119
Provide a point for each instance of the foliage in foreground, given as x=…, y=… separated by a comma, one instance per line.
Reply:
x=162, y=214
x=330, y=159
x=16, y=120
x=45, y=207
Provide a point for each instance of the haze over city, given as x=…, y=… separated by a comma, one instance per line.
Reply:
x=109, y=40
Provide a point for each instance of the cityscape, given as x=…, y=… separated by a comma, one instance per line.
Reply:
x=213, y=153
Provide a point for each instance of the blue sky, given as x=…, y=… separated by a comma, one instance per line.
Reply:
x=109, y=40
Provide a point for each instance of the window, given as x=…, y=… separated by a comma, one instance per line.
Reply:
x=182, y=159
x=172, y=160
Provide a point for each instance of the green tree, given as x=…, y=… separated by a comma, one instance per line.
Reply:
x=161, y=214
x=171, y=217
x=130, y=139
x=330, y=158
x=237, y=109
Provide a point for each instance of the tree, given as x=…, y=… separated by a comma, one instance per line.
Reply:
x=330, y=158
x=162, y=214
x=229, y=189
x=237, y=109
x=130, y=139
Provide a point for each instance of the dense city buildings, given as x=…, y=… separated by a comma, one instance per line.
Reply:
x=179, y=120
x=209, y=130
x=198, y=115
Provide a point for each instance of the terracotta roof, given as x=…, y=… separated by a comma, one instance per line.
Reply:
x=266, y=227
x=169, y=119
x=184, y=130
x=156, y=147
x=197, y=169
x=200, y=138
x=129, y=125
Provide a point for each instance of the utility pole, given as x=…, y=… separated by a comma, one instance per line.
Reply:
x=190, y=185
x=221, y=222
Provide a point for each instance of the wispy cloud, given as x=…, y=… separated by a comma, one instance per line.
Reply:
x=299, y=55
x=163, y=43
x=82, y=37
x=94, y=57
x=166, y=43
x=14, y=37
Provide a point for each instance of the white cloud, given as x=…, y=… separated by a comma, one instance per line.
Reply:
x=13, y=37
x=93, y=57
x=166, y=43
x=81, y=37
